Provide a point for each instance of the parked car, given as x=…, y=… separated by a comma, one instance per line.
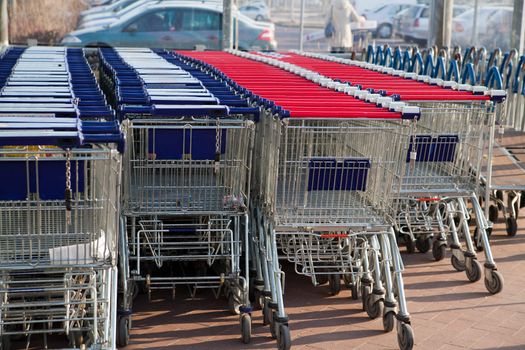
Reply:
x=111, y=7
x=175, y=25
x=493, y=27
x=384, y=16
x=412, y=24
x=106, y=17
x=258, y=11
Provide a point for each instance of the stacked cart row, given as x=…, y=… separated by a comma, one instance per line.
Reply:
x=232, y=163
x=59, y=200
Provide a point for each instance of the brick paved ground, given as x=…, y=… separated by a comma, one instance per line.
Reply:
x=447, y=312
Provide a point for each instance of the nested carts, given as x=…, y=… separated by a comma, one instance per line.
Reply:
x=186, y=179
x=322, y=197
x=445, y=157
x=59, y=201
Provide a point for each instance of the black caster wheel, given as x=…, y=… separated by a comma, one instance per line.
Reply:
x=234, y=304
x=355, y=290
x=457, y=264
x=511, y=226
x=388, y=321
x=334, y=281
x=78, y=339
x=258, y=300
x=273, y=325
x=246, y=328
x=267, y=313
x=285, y=340
x=423, y=244
x=477, y=244
x=405, y=337
x=321, y=279
x=473, y=270
x=493, y=213
x=374, y=309
x=439, y=250
x=410, y=245
x=495, y=285
x=124, y=323
x=5, y=343
x=365, y=292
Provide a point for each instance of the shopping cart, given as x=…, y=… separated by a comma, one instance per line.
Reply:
x=187, y=177
x=445, y=156
x=321, y=163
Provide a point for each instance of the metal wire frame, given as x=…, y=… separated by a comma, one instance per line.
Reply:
x=215, y=242
x=181, y=185
x=35, y=232
x=283, y=173
x=449, y=143
x=60, y=300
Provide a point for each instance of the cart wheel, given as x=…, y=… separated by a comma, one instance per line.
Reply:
x=493, y=213
x=234, y=304
x=365, y=292
x=321, y=279
x=473, y=270
x=354, y=289
x=79, y=338
x=246, y=328
x=374, y=309
x=439, y=250
x=267, y=313
x=123, y=331
x=285, y=340
x=495, y=285
x=409, y=243
x=478, y=245
x=388, y=321
x=257, y=299
x=273, y=325
x=457, y=264
x=405, y=337
x=522, y=199
x=423, y=244
x=334, y=282
x=512, y=226
x=6, y=342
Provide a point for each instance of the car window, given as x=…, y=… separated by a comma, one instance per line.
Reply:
x=425, y=13
x=195, y=19
x=156, y=21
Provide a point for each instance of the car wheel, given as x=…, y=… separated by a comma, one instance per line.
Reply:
x=384, y=31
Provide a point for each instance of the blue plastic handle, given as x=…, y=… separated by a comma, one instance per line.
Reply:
x=428, y=67
x=516, y=81
x=468, y=77
x=370, y=53
x=453, y=70
x=387, y=57
x=439, y=68
x=494, y=78
x=406, y=60
x=378, y=56
x=396, y=62
x=419, y=59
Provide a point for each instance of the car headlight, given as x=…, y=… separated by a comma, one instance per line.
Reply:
x=71, y=39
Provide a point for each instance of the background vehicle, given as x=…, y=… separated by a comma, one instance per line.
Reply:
x=493, y=27
x=384, y=16
x=174, y=25
x=412, y=24
x=258, y=11
x=113, y=6
x=107, y=17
